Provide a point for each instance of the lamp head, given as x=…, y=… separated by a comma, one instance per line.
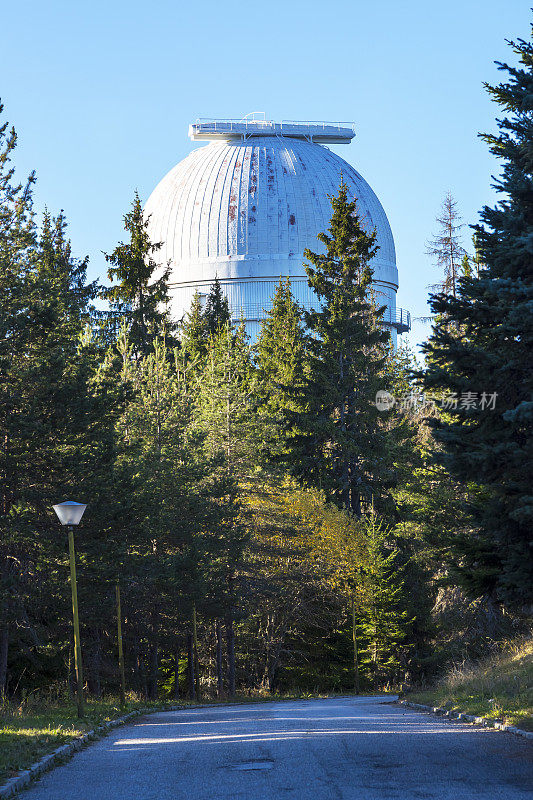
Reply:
x=69, y=512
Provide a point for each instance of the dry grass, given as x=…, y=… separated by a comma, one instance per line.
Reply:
x=499, y=687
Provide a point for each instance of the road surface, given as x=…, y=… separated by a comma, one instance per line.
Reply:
x=333, y=749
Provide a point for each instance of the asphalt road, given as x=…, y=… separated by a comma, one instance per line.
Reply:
x=337, y=749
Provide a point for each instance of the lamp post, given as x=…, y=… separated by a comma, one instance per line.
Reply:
x=70, y=514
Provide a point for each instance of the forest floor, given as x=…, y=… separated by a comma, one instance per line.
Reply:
x=499, y=687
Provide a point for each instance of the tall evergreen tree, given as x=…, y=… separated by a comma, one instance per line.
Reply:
x=224, y=418
x=341, y=445
x=216, y=312
x=446, y=247
x=194, y=332
x=480, y=351
x=382, y=619
x=17, y=245
x=280, y=359
x=141, y=291
x=47, y=407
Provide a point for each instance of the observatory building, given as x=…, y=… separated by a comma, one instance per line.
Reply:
x=244, y=207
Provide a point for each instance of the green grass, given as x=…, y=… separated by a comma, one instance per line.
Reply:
x=499, y=687
x=34, y=728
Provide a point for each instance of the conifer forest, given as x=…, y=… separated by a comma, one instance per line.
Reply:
x=311, y=512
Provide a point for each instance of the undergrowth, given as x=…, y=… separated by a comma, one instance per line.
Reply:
x=499, y=687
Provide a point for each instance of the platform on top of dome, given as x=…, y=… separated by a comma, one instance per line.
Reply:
x=251, y=126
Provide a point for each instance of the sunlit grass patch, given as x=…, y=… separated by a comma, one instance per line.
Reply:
x=499, y=687
x=34, y=728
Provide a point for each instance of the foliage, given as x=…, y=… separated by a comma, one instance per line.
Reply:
x=315, y=540
x=339, y=444
x=141, y=293
x=282, y=368
x=480, y=349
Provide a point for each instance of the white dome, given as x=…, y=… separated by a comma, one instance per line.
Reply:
x=245, y=210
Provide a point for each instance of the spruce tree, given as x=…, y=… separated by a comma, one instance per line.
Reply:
x=141, y=291
x=382, y=620
x=194, y=331
x=480, y=352
x=17, y=245
x=340, y=444
x=224, y=418
x=216, y=312
x=280, y=359
x=446, y=247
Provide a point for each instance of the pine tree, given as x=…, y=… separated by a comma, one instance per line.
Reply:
x=281, y=367
x=225, y=399
x=216, y=312
x=466, y=267
x=141, y=292
x=480, y=352
x=446, y=247
x=17, y=244
x=194, y=332
x=48, y=411
x=340, y=445
x=381, y=616
x=224, y=419
x=175, y=496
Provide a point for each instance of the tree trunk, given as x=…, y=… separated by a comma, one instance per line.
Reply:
x=355, y=653
x=195, y=643
x=220, y=673
x=177, y=675
x=141, y=670
x=137, y=671
x=4, y=646
x=70, y=684
x=153, y=655
x=93, y=661
x=230, y=645
x=190, y=667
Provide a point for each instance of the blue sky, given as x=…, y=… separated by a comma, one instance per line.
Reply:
x=101, y=94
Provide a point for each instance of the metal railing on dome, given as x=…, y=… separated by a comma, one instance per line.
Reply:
x=327, y=127
x=397, y=318
x=336, y=131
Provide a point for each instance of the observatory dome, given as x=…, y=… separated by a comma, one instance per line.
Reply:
x=244, y=208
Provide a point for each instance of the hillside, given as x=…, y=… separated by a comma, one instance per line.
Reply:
x=499, y=687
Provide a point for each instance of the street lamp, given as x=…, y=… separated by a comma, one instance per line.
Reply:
x=70, y=514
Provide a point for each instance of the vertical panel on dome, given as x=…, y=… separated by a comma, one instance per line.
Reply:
x=211, y=205
x=186, y=204
x=176, y=215
x=253, y=248
x=216, y=203
x=223, y=220
x=271, y=199
x=200, y=218
x=233, y=207
x=285, y=170
x=242, y=230
x=262, y=221
x=290, y=221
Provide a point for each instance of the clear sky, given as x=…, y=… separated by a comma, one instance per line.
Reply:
x=101, y=94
